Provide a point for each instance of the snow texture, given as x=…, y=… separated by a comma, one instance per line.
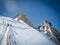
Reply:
x=13, y=32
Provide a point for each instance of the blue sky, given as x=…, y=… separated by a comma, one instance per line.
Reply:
x=35, y=10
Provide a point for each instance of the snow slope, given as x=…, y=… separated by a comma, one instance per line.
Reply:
x=13, y=32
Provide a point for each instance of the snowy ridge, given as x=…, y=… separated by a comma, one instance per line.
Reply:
x=19, y=33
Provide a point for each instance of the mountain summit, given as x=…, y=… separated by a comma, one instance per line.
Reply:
x=15, y=32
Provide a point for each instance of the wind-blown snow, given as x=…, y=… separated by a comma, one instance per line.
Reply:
x=19, y=33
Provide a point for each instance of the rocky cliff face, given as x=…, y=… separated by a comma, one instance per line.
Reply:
x=50, y=31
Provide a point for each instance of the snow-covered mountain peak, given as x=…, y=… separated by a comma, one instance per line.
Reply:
x=13, y=32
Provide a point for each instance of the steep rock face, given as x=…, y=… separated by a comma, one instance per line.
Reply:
x=47, y=28
x=19, y=33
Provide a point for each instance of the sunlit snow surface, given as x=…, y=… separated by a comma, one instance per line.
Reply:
x=13, y=32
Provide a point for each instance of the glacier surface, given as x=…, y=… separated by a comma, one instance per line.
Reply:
x=13, y=32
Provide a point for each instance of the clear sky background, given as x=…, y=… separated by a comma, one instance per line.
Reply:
x=35, y=10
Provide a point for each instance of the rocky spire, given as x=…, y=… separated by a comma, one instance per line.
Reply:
x=50, y=31
x=22, y=16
